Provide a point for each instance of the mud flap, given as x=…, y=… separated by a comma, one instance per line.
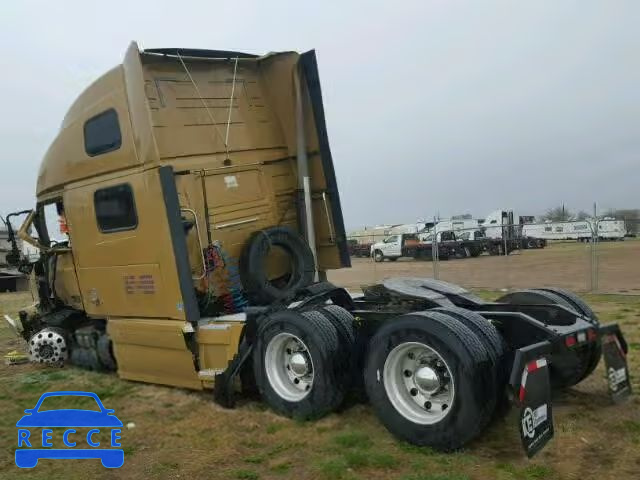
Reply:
x=614, y=349
x=530, y=382
x=536, y=418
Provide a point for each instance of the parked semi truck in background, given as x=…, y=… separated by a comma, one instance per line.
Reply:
x=195, y=252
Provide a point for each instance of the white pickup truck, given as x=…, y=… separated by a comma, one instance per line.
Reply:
x=410, y=245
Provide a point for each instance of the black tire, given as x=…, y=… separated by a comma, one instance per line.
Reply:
x=470, y=367
x=260, y=290
x=566, y=369
x=86, y=358
x=342, y=321
x=443, y=256
x=493, y=342
x=105, y=353
x=534, y=297
x=320, y=336
x=582, y=307
x=577, y=303
x=378, y=256
x=484, y=330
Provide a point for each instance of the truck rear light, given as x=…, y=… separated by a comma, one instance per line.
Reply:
x=570, y=341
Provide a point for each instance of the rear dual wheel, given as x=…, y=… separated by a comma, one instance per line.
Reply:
x=300, y=361
x=575, y=365
x=431, y=380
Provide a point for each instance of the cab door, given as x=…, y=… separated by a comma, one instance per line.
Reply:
x=129, y=256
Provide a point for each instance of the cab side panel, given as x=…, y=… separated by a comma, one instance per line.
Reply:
x=128, y=271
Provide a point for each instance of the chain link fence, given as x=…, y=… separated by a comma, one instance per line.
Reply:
x=601, y=259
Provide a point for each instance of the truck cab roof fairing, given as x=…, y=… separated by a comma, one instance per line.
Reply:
x=199, y=52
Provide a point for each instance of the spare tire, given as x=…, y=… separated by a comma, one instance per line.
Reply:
x=253, y=272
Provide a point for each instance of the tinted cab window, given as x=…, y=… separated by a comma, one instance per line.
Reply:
x=115, y=208
x=102, y=133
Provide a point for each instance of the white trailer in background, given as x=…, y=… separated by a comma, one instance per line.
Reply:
x=573, y=230
x=457, y=226
x=580, y=230
x=612, y=229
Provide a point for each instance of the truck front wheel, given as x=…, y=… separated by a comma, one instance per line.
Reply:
x=378, y=256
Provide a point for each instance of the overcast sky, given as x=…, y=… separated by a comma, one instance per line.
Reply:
x=432, y=106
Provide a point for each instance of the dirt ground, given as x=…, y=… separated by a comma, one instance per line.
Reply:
x=565, y=265
x=181, y=434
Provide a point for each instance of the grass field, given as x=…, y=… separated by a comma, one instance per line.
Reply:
x=561, y=264
x=183, y=434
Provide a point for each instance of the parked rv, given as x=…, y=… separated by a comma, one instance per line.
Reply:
x=580, y=230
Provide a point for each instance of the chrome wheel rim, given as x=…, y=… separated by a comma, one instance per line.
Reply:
x=419, y=383
x=289, y=367
x=48, y=346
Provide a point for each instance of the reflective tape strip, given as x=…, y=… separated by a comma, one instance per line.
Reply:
x=522, y=393
x=615, y=338
x=529, y=368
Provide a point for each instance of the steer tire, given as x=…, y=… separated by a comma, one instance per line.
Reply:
x=260, y=290
x=378, y=256
x=321, y=340
x=472, y=374
x=104, y=348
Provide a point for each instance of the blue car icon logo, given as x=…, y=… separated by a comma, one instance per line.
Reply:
x=35, y=448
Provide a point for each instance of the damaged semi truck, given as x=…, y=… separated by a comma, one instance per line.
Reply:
x=200, y=208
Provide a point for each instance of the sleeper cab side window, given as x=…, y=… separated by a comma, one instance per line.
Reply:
x=115, y=208
x=102, y=133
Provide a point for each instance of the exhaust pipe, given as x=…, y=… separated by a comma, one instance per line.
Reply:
x=304, y=181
